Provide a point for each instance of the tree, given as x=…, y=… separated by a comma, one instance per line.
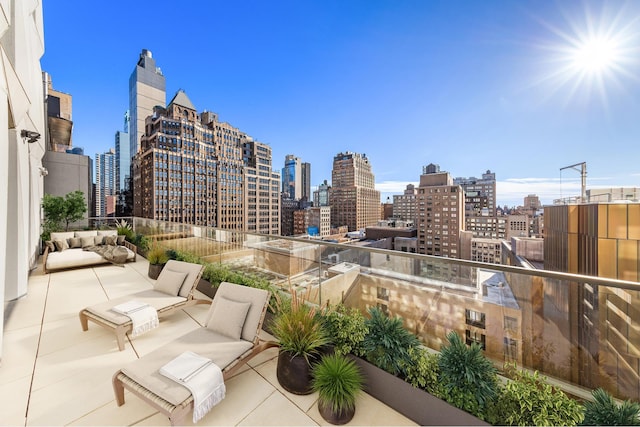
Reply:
x=60, y=211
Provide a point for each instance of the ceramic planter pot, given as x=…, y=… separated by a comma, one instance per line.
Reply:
x=294, y=373
x=154, y=270
x=336, y=418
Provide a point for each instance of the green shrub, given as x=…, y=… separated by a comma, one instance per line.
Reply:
x=141, y=241
x=346, y=328
x=527, y=399
x=604, y=411
x=387, y=343
x=338, y=382
x=468, y=378
x=421, y=370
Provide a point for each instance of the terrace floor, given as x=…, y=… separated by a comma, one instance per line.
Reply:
x=53, y=373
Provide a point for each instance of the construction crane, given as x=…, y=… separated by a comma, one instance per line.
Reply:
x=583, y=174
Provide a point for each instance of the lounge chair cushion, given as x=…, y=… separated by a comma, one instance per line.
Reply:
x=170, y=282
x=193, y=272
x=107, y=232
x=74, y=242
x=62, y=235
x=245, y=294
x=158, y=300
x=85, y=233
x=88, y=241
x=228, y=316
x=204, y=342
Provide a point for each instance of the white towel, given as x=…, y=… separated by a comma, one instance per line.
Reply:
x=201, y=377
x=142, y=315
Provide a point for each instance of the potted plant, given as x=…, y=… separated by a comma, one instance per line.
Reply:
x=301, y=336
x=346, y=328
x=338, y=382
x=157, y=258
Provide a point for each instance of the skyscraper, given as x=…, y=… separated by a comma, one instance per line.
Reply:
x=305, y=181
x=147, y=89
x=321, y=195
x=123, y=155
x=353, y=198
x=480, y=206
x=440, y=213
x=195, y=169
x=292, y=177
x=105, y=183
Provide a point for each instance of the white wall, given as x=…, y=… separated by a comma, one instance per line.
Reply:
x=21, y=107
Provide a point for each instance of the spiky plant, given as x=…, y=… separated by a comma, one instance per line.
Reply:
x=604, y=411
x=297, y=326
x=387, y=343
x=469, y=379
x=338, y=382
x=157, y=255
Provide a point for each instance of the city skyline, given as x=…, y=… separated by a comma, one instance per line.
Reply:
x=470, y=86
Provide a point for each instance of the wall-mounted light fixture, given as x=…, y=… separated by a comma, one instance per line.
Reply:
x=30, y=136
x=43, y=171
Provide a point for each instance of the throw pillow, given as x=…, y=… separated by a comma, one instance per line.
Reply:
x=74, y=242
x=121, y=239
x=61, y=245
x=87, y=241
x=98, y=240
x=228, y=317
x=50, y=245
x=169, y=282
x=111, y=240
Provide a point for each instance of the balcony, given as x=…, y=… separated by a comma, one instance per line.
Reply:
x=581, y=332
x=54, y=374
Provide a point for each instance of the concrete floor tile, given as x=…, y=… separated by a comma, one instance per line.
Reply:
x=277, y=410
x=14, y=396
x=18, y=354
x=268, y=371
x=131, y=413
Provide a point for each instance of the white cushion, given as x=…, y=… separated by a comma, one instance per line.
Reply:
x=86, y=233
x=107, y=232
x=62, y=235
x=77, y=258
x=228, y=316
x=169, y=281
x=88, y=241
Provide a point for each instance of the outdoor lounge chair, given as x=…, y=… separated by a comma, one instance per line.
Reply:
x=173, y=290
x=228, y=339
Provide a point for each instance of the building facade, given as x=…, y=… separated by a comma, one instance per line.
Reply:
x=147, y=89
x=321, y=195
x=123, y=155
x=59, y=120
x=404, y=205
x=195, y=169
x=441, y=214
x=320, y=217
x=353, y=198
x=106, y=183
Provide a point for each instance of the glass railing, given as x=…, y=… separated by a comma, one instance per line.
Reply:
x=582, y=332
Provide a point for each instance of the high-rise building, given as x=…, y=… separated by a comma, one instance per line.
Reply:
x=405, y=207
x=305, y=181
x=123, y=156
x=261, y=204
x=59, y=122
x=321, y=195
x=106, y=183
x=147, y=89
x=596, y=239
x=353, y=198
x=296, y=179
x=480, y=194
x=67, y=168
x=195, y=169
x=320, y=218
x=440, y=213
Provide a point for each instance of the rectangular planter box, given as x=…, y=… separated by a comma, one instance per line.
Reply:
x=414, y=403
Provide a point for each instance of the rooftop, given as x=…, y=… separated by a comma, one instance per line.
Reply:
x=53, y=373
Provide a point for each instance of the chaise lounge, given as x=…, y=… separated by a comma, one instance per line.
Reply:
x=229, y=338
x=173, y=290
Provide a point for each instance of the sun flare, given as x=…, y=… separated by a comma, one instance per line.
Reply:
x=595, y=55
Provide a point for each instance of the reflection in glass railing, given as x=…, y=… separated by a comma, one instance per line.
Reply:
x=582, y=331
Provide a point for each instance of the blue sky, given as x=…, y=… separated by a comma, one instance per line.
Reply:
x=469, y=85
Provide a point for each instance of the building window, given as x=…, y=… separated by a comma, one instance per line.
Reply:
x=474, y=318
x=510, y=323
x=510, y=349
x=475, y=337
x=383, y=308
x=383, y=293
